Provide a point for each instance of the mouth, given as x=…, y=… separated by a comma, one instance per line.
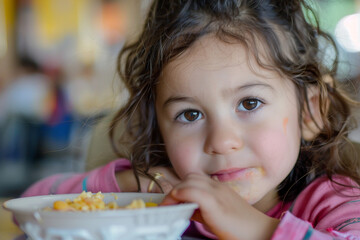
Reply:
x=234, y=174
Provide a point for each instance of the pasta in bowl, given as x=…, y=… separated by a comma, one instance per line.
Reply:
x=39, y=220
x=87, y=201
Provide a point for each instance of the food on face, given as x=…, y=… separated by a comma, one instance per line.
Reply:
x=87, y=201
x=246, y=183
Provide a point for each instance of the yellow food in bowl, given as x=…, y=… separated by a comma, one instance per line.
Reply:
x=88, y=201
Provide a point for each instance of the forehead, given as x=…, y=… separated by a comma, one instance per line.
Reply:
x=209, y=52
x=210, y=57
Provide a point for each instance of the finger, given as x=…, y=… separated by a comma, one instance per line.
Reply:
x=194, y=188
x=192, y=193
x=169, y=200
x=165, y=177
x=202, y=183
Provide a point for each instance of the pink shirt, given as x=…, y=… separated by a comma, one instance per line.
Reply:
x=323, y=210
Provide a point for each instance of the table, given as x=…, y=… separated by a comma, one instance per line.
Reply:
x=8, y=230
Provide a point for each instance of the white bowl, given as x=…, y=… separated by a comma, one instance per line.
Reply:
x=163, y=222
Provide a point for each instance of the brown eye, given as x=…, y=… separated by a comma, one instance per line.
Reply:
x=189, y=116
x=249, y=105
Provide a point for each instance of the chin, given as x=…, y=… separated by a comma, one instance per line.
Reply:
x=248, y=192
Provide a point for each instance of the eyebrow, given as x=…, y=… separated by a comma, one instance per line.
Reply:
x=174, y=99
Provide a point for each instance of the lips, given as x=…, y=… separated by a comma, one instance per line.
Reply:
x=233, y=174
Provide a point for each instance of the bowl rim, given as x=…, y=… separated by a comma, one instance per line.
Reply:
x=14, y=209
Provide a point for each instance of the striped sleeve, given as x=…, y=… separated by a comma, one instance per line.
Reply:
x=294, y=228
x=324, y=210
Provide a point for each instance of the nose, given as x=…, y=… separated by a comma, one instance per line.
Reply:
x=223, y=139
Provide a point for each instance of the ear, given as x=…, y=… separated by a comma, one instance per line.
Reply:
x=311, y=117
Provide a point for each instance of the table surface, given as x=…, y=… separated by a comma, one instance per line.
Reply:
x=8, y=230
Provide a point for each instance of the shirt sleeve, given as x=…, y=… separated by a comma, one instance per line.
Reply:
x=324, y=210
x=100, y=179
x=295, y=228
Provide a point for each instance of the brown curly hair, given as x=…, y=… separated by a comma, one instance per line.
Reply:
x=292, y=48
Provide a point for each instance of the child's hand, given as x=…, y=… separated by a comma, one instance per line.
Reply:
x=167, y=178
x=221, y=209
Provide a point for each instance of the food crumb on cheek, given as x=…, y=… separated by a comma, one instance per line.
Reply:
x=285, y=122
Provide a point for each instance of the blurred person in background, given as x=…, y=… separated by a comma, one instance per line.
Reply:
x=23, y=107
x=35, y=126
x=24, y=101
x=27, y=94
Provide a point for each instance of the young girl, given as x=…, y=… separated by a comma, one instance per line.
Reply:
x=233, y=107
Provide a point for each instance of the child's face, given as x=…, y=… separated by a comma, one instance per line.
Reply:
x=220, y=118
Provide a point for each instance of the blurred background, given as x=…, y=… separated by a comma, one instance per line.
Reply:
x=58, y=78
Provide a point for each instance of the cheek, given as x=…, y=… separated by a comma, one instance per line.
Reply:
x=278, y=149
x=272, y=144
x=182, y=155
